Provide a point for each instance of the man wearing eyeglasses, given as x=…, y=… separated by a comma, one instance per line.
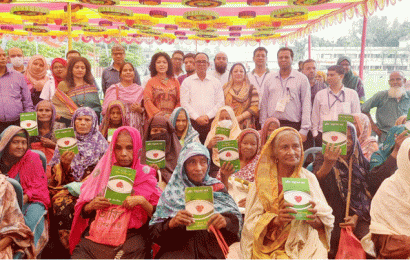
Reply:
x=177, y=60
x=111, y=74
x=202, y=96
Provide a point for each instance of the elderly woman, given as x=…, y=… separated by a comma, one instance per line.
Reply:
x=321, y=77
x=242, y=97
x=161, y=94
x=181, y=122
x=15, y=235
x=270, y=125
x=129, y=93
x=36, y=76
x=114, y=118
x=270, y=231
x=367, y=142
x=159, y=128
x=389, y=236
x=171, y=219
x=77, y=90
x=226, y=114
x=89, y=239
x=25, y=166
x=59, y=71
x=333, y=171
x=249, y=145
x=45, y=141
x=71, y=169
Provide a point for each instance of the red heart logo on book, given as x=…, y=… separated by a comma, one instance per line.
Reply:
x=334, y=138
x=120, y=185
x=29, y=124
x=298, y=199
x=66, y=142
x=199, y=208
x=155, y=155
x=228, y=154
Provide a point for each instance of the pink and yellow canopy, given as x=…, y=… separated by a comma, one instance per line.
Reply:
x=178, y=20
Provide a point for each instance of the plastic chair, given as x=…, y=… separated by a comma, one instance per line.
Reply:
x=312, y=151
x=19, y=191
x=310, y=167
x=42, y=157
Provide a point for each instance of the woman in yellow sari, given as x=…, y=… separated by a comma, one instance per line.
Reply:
x=270, y=231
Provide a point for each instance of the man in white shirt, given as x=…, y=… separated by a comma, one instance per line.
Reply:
x=202, y=96
x=332, y=101
x=221, y=64
x=261, y=73
x=286, y=96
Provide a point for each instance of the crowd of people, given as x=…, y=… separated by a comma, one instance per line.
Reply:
x=274, y=116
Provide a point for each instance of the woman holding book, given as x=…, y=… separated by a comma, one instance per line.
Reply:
x=69, y=170
x=249, y=145
x=225, y=118
x=171, y=219
x=114, y=118
x=333, y=170
x=270, y=231
x=130, y=94
x=160, y=129
x=126, y=234
x=25, y=166
x=77, y=90
x=46, y=141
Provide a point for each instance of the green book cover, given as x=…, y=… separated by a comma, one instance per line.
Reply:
x=28, y=121
x=334, y=132
x=66, y=140
x=120, y=184
x=296, y=191
x=199, y=201
x=110, y=134
x=345, y=117
x=228, y=152
x=225, y=132
x=408, y=115
x=155, y=153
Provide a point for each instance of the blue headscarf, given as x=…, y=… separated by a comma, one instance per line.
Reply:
x=173, y=198
x=385, y=149
x=91, y=146
x=190, y=134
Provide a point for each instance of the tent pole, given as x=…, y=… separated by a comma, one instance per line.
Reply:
x=310, y=46
x=363, y=48
x=70, y=37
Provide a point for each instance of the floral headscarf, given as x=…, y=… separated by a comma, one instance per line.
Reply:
x=367, y=142
x=90, y=146
x=173, y=199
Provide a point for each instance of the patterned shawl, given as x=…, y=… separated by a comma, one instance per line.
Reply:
x=128, y=95
x=12, y=223
x=37, y=79
x=173, y=199
x=145, y=185
x=190, y=134
x=265, y=129
x=248, y=171
x=90, y=146
x=106, y=124
x=368, y=143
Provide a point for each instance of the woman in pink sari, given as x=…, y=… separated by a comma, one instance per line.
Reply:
x=102, y=230
x=128, y=93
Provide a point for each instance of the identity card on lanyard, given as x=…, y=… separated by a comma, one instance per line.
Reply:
x=284, y=100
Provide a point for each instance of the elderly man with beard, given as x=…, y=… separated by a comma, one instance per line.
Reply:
x=221, y=63
x=390, y=104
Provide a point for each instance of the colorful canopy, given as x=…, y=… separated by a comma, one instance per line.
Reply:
x=228, y=21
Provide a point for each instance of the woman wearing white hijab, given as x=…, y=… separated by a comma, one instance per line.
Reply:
x=389, y=235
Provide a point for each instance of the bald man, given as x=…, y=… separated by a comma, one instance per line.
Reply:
x=390, y=104
x=221, y=63
x=16, y=58
x=15, y=96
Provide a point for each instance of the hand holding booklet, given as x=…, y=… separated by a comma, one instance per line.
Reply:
x=296, y=191
x=199, y=201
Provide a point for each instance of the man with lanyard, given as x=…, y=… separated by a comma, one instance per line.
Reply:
x=286, y=96
x=260, y=73
x=332, y=101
